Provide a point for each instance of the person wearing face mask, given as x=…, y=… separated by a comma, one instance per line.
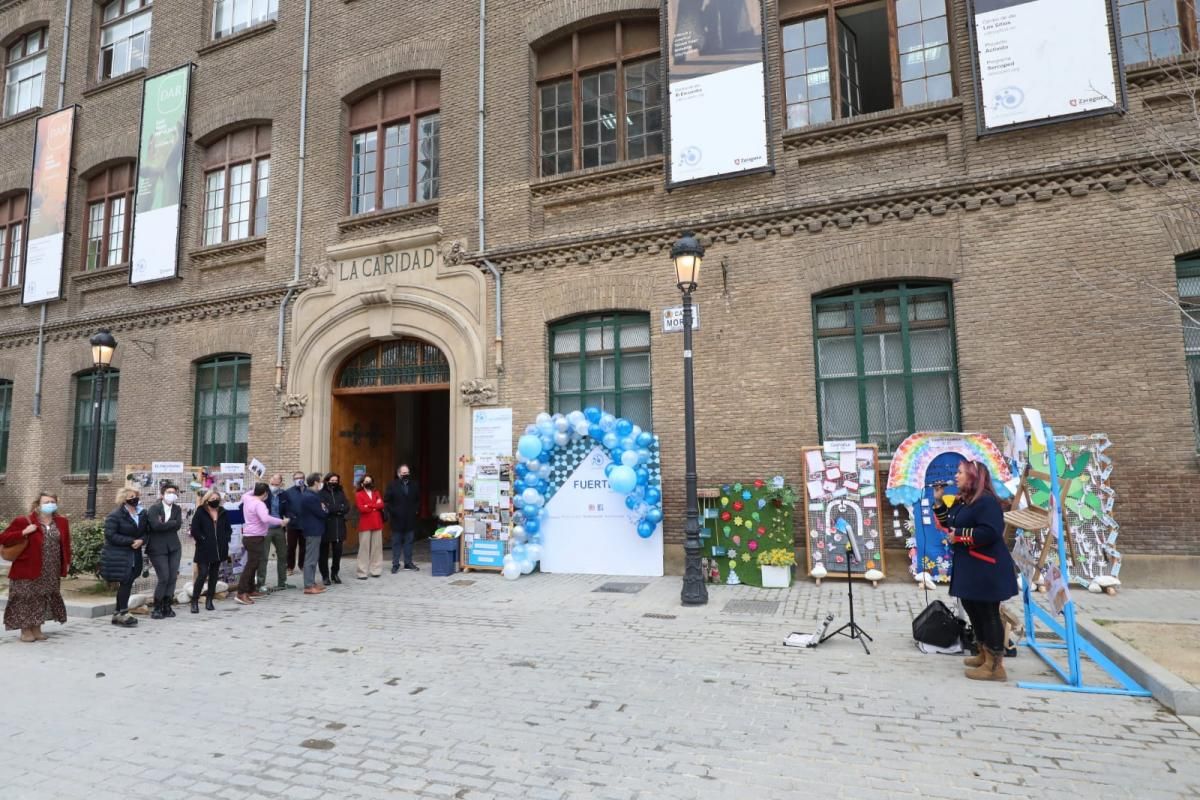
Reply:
x=121, y=555
x=402, y=500
x=276, y=538
x=370, y=529
x=289, y=507
x=312, y=524
x=163, y=520
x=211, y=531
x=34, y=595
x=254, y=539
x=337, y=506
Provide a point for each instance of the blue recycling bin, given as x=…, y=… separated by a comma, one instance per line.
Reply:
x=444, y=555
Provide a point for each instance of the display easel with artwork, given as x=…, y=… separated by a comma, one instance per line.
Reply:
x=841, y=506
x=485, y=509
x=753, y=519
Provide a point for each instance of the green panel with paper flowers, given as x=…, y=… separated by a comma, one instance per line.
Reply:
x=753, y=519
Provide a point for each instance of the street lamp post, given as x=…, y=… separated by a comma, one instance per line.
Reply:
x=103, y=347
x=688, y=253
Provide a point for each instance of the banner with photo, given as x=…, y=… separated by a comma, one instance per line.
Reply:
x=48, y=206
x=718, y=115
x=1029, y=72
x=163, y=143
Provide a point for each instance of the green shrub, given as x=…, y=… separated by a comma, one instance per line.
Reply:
x=87, y=537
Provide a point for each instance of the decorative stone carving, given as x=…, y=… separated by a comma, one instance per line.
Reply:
x=478, y=392
x=293, y=405
x=455, y=254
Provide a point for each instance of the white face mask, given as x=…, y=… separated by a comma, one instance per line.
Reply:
x=170, y=499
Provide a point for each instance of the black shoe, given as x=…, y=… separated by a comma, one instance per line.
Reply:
x=395, y=570
x=195, y=606
x=157, y=613
x=168, y=612
x=327, y=582
x=208, y=606
x=412, y=568
x=124, y=619
x=335, y=579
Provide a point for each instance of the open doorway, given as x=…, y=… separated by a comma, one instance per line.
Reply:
x=391, y=406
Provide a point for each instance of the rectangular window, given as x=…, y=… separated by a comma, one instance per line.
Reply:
x=602, y=361
x=556, y=129
x=262, y=205
x=429, y=131
x=15, y=241
x=5, y=421
x=598, y=106
x=214, y=206
x=222, y=422
x=81, y=450
x=25, y=73
x=1188, y=281
x=885, y=54
x=124, y=37
x=362, y=177
x=395, y=165
x=886, y=363
x=95, y=242
x=239, y=202
x=1150, y=29
x=643, y=110
x=116, y=230
x=234, y=16
x=235, y=200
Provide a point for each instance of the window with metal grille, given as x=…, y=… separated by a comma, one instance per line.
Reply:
x=395, y=136
x=12, y=238
x=222, y=423
x=124, y=37
x=81, y=447
x=599, y=97
x=1153, y=29
x=885, y=54
x=25, y=72
x=602, y=361
x=109, y=204
x=6, y=388
x=396, y=364
x=886, y=363
x=236, y=185
x=1187, y=272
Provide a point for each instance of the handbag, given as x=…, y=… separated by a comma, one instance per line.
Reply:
x=10, y=552
x=937, y=625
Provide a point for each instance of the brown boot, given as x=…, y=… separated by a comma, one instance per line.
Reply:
x=992, y=668
x=976, y=660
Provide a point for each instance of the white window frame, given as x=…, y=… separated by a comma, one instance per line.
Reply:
x=240, y=15
x=128, y=21
x=26, y=70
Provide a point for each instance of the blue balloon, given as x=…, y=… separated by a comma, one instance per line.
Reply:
x=616, y=454
x=645, y=439
x=642, y=477
x=518, y=503
x=592, y=414
x=521, y=469
x=628, y=443
x=622, y=479
x=645, y=529
x=653, y=496
x=610, y=440
x=629, y=458
x=643, y=456
x=632, y=501
x=624, y=427
x=519, y=552
x=654, y=515
x=596, y=432
x=529, y=446
x=532, y=525
x=519, y=485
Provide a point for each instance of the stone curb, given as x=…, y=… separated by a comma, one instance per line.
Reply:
x=1168, y=688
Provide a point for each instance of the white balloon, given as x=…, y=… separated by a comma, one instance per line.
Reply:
x=561, y=424
x=582, y=427
x=561, y=438
x=607, y=422
x=526, y=567
x=511, y=571
x=534, y=552
x=543, y=418
x=519, y=535
x=533, y=464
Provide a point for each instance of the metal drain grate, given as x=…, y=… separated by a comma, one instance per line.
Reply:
x=617, y=587
x=658, y=616
x=462, y=583
x=751, y=607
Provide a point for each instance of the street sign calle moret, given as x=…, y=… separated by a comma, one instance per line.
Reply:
x=673, y=319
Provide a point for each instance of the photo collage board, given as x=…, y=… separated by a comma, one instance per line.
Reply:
x=842, y=503
x=485, y=508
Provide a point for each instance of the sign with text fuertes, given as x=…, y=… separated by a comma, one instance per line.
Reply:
x=718, y=111
x=163, y=144
x=48, y=206
x=1029, y=72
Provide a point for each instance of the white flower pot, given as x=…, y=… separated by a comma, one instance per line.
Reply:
x=776, y=577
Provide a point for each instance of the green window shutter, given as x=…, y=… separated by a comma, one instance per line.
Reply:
x=602, y=360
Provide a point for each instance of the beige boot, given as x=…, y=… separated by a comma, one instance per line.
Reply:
x=992, y=668
x=976, y=660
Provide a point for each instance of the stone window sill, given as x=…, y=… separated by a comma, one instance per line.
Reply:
x=77, y=478
x=241, y=251
x=375, y=219
x=107, y=278
x=112, y=83
x=24, y=115
x=593, y=177
x=868, y=125
x=240, y=36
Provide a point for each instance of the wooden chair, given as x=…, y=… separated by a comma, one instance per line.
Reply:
x=1035, y=518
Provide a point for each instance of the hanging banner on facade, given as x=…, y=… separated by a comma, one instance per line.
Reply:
x=48, y=206
x=163, y=143
x=1029, y=72
x=718, y=120
x=491, y=434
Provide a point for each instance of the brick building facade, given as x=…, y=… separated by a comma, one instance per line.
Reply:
x=1016, y=269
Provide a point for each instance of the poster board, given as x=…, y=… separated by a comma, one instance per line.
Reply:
x=491, y=434
x=45, y=236
x=230, y=479
x=485, y=509
x=842, y=503
x=750, y=518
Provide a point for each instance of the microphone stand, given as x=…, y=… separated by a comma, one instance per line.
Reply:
x=851, y=629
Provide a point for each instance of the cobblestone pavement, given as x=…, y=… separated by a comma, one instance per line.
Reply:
x=472, y=687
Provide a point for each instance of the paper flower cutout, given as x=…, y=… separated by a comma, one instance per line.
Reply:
x=737, y=539
x=726, y=516
x=753, y=545
x=746, y=557
x=737, y=505
x=761, y=530
x=746, y=495
x=737, y=487
x=724, y=501
x=755, y=516
x=758, y=484
x=762, y=503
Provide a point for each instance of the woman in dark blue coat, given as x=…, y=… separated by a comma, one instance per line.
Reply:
x=983, y=574
x=121, y=555
x=211, y=531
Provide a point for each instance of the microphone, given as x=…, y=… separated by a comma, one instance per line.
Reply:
x=941, y=484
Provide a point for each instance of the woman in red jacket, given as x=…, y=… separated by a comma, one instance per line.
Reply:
x=33, y=591
x=370, y=528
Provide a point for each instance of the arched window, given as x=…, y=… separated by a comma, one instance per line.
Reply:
x=394, y=143
x=237, y=176
x=395, y=364
x=602, y=360
x=886, y=362
x=599, y=97
x=12, y=238
x=109, y=205
x=6, y=389
x=25, y=72
x=124, y=37
x=222, y=423
x=81, y=447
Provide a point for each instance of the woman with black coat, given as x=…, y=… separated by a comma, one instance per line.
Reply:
x=211, y=531
x=121, y=555
x=982, y=574
x=334, y=498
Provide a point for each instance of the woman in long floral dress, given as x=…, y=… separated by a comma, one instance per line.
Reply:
x=34, y=595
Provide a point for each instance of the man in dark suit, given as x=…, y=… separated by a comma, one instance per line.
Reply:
x=311, y=517
x=289, y=507
x=162, y=522
x=402, y=500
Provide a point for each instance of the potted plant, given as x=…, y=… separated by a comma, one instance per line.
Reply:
x=776, y=566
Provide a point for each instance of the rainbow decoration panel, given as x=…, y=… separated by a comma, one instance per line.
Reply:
x=906, y=477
